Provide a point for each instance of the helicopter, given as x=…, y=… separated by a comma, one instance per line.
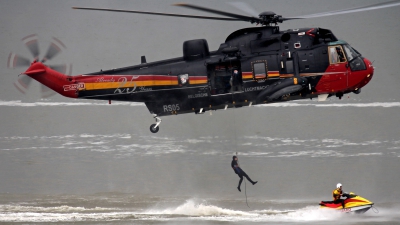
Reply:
x=254, y=65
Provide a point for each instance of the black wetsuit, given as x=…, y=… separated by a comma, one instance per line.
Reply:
x=240, y=172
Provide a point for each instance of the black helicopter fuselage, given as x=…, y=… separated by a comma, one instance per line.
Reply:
x=202, y=79
x=273, y=66
x=258, y=65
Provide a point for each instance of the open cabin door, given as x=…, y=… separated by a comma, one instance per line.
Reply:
x=220, y=79
x=222, y=83
x=223, y=79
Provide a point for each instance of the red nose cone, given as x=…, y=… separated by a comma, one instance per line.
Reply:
x=370, y=72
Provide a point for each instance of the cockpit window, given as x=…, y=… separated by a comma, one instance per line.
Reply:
x=336, y=54
x=351, y=54
x=356, y=62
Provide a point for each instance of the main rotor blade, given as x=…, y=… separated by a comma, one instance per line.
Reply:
x=32, y=44
x=55, y=47
x=233, y=15
x=244, y=7
x=351, y=10
x=157, y=13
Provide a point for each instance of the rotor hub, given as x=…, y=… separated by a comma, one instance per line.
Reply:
x=269, y=17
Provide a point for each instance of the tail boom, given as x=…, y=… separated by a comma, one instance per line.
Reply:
x=58, y=82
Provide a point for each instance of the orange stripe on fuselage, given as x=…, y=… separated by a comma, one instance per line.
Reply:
x=110, y=82
x=110, y=85
x=249, y=75
x=191, y=81
x=198, y=80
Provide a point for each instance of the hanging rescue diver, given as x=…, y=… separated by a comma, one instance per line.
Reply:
x=240, y=172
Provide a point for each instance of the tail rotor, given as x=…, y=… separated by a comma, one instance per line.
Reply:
x=55, y=47
x=17, y=61
x=31, y=42
x=23, y=83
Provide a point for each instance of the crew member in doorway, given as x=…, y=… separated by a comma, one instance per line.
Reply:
x=236, y=81
x=340, y=55
x=337, y=193
x=240, y=172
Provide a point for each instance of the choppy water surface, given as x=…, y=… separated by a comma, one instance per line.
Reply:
x=130, y=145
x=126, y=209
x=85, y=168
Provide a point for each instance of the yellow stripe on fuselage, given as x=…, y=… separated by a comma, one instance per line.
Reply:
x=249, y=76
x=270, y=75
x=197, y=81
x=111, y=85
x=274, y=74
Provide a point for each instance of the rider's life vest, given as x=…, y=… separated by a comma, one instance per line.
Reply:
x=336, y=194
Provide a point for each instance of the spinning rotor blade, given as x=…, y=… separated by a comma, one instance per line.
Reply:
x=264, y=18
x=23, y=83
x=352, y=10
x=55, y=47
x=15, y=60
x=243, y=6
x=232, y=15
x=63, y=68
x=31, y=42
x=46, y=92
x=157, y=13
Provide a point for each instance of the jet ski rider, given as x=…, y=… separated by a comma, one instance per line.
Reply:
x=337, y=193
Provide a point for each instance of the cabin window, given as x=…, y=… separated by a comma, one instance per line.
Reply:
x=260, y=70
x=336, y=55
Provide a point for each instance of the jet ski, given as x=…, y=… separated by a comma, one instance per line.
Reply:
x=353, y=203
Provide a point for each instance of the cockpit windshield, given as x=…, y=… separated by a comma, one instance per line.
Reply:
x=354, y=58
x=351, y=54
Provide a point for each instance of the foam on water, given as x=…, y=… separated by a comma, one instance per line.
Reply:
x=154, y=146
x=64, y=213
x=193, y=210
x=63, y=208
x=190, y=210
x=63, y=217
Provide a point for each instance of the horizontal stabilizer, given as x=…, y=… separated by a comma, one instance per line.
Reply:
x=35, y=68
x=33, y=72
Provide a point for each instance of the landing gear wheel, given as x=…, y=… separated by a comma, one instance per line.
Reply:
x=154, y=129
